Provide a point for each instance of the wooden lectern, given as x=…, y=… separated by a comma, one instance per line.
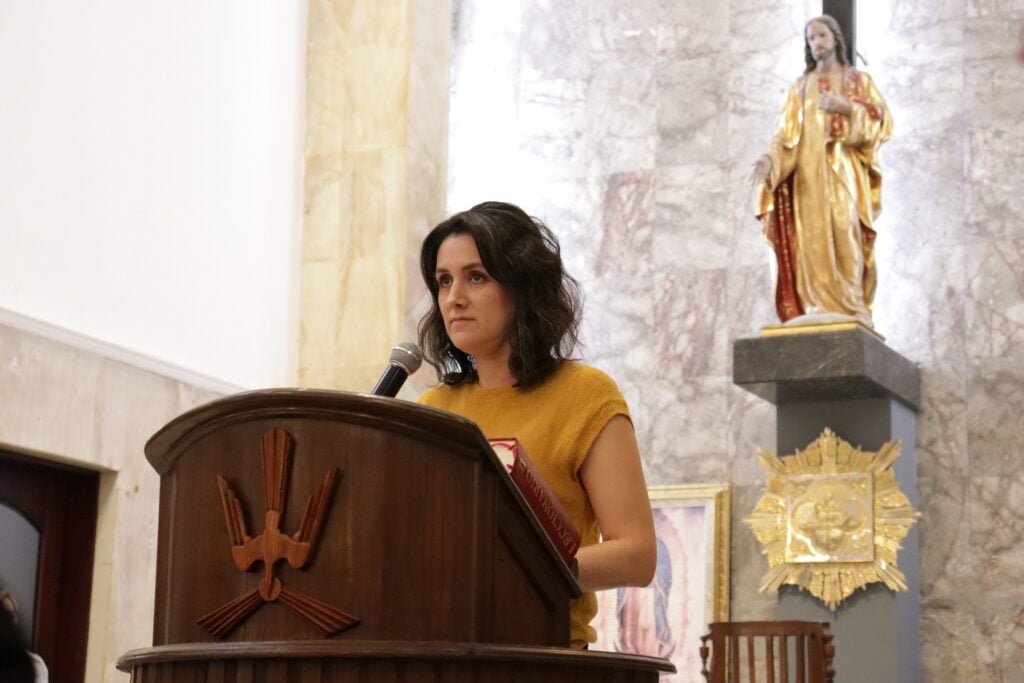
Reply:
x=317, y=536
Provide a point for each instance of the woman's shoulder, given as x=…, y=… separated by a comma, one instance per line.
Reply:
x=592, y=392
x=587, y=377
x=436, y=396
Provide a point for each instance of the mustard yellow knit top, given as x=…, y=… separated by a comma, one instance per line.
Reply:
x=556, y=423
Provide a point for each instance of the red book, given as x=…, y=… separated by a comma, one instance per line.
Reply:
x=538, y=495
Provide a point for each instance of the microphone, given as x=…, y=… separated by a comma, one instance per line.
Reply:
x=405, y=359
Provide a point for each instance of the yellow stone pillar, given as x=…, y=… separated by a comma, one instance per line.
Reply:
x=374, y=179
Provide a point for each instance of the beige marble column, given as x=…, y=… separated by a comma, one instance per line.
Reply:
x=376, y=130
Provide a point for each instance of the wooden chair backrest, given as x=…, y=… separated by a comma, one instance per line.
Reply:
x=768, y=652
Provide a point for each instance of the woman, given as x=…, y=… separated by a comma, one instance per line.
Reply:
x=504, y=320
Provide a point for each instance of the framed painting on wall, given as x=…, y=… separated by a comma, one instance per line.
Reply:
x=690, y=587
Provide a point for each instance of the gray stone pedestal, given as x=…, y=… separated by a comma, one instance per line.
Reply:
x=852, y=383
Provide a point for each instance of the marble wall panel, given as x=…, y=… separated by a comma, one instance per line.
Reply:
x=964, y=642
x=919, y=306
x=573, y=209
x=326, y=104
x=976, y=633
x=618, y=319
x=943, y=478
x=769, y=28
x=948, y=566
x=994, y=299
x=909, y=15
x=555, y=39
x=427, y=163
x=681, y=428
x=747, y=247
x=327, y=192
x=756, y=90
x=994, y=81
x=622, y=118
x=552, y=129
x=360, y=21
x=764, y=55
x=356, y=191
x=943, y=424
x=926, y=108
x=375, y=173
x=623, y=33
x=995, y=402
x=684, y=31
x=996, y=518
x=688, y=234
x=429, y=75
x=750, y=297
x=992, y=201
x=688, y=331
x=377, y=73
x=626, y=227
x=691, y=104
x=317, y=333
x=916, y=211
x=986, y=8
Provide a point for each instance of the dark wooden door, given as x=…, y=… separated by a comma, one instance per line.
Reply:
x=60, y=503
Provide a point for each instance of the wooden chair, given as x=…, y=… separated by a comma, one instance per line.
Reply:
x=769, y=652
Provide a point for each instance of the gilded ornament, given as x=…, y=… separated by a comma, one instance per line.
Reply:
x=831, y=519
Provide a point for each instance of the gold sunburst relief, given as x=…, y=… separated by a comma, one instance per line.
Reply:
x=831, y=519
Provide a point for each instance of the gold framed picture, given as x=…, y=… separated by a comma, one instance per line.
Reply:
x=690, y=587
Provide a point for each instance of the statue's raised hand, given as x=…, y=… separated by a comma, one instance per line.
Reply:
x=834, y=103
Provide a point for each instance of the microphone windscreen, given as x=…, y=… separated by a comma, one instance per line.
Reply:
x=407, y=356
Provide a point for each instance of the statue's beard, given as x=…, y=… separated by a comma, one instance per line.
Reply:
x=822, y=55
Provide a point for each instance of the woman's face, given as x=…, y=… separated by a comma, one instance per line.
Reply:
x=820, y=40
x=476, y=308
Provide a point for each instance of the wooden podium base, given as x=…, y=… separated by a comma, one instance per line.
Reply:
x=422, y=536
x=409, y=662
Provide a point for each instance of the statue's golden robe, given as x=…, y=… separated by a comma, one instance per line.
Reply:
x=819, y=205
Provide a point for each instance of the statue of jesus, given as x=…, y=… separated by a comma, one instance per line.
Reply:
x=820, y=184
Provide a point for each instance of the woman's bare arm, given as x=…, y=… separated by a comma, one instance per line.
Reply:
x=614, y=481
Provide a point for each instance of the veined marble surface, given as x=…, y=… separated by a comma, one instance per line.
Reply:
x=630, y=129
x=374, y=180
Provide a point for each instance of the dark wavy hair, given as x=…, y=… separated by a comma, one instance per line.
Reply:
x=837, y=33
x=523, y=255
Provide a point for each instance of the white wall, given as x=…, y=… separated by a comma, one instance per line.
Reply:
x=150, y=175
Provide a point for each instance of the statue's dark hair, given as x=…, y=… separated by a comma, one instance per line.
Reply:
x=837, y=33
x=523, y=255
